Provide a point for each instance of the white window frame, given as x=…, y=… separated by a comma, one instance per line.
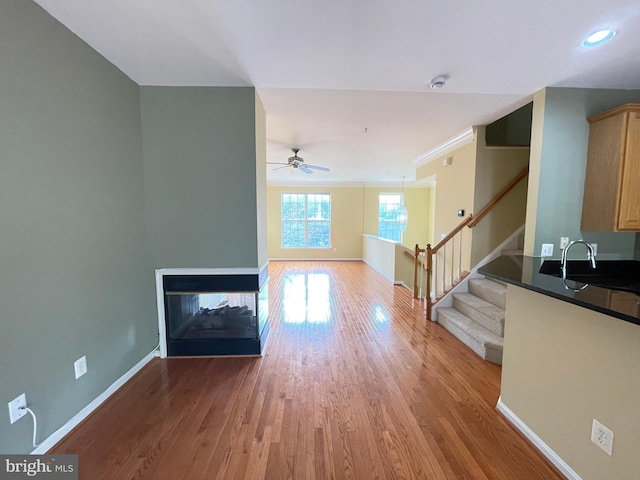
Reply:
x=306, y=221
x=382, y=222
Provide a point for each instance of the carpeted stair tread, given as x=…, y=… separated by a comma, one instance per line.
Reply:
x=483, y=342
x=489, y=290
x=486, y=314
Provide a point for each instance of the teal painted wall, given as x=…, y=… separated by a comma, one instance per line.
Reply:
x=563, y=166
x=75, y=278
x=200, y=176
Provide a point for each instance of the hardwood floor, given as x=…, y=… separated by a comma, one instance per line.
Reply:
x=353, y=385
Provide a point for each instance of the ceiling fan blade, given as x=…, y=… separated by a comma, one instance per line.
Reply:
x=280, y=168
x=304, y=169
x=277, y=163
x=315, y=167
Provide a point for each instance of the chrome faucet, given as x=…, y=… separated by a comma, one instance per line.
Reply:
x=591, y=256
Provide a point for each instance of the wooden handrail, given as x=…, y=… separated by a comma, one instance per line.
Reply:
x=452, y=234
x=416, y=252
x=412, y=256
x=428, y=266
x=489, y=206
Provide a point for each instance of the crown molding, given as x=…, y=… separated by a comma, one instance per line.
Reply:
x=460, y=140
x=395, y=184
x=319, y=184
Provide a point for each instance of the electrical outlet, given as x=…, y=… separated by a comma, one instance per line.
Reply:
x=564, y=241
x=595, y=248
x=17, y=408
x=602, y=436
x=80, y=367
x=547, y=250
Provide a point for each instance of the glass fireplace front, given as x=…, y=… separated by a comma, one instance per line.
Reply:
x=215, y=314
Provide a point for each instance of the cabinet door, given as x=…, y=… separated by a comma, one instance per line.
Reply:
x=629, y=211
x=604, y=167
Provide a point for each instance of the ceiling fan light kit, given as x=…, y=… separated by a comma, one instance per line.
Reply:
x=298, y=163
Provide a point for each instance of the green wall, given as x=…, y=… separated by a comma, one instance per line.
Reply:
x=75, y=279
x=561, y=162
x=200, y=176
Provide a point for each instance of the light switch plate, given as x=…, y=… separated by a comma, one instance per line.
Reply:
x=547, y=250
x=80, y=367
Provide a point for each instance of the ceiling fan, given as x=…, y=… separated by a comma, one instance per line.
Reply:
x=298, y=162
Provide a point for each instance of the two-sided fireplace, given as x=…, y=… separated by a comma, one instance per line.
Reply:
x=212, y=311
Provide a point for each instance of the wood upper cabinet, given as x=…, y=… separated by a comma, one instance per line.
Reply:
x=612, y=183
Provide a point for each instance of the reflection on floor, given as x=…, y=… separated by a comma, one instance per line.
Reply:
x=306, y=298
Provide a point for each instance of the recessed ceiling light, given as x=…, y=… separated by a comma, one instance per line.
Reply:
x=598, y=38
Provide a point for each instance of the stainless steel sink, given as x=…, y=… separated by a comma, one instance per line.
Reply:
x=614, y=274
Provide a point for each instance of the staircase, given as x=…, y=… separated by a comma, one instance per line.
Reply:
x=477, y=317
x=515, y=249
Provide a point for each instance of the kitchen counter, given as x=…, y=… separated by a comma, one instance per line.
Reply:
x=524, y=272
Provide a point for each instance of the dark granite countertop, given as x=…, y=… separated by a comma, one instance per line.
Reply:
x=524, y=272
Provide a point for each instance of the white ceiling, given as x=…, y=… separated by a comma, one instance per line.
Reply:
x=326, y=70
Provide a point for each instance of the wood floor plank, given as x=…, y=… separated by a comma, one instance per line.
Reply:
x=354, y=384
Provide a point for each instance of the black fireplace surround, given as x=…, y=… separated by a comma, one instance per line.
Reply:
x=210, y=315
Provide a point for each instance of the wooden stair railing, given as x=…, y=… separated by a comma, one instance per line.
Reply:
x=412, y=256
x=416, y=264
x=430, y=252
x=489, y=206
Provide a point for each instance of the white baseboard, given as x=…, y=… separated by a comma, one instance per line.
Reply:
x=377, y=270
x=552, y=456
x=400, y=283
x=59, y=434
x=307, y=259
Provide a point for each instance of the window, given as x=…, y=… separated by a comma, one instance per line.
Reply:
x=306, y=220
x=388, y=225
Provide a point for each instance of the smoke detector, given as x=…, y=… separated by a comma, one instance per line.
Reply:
x=438, y=82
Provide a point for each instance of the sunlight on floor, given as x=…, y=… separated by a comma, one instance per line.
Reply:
x=380, y=314
x=307, y=298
